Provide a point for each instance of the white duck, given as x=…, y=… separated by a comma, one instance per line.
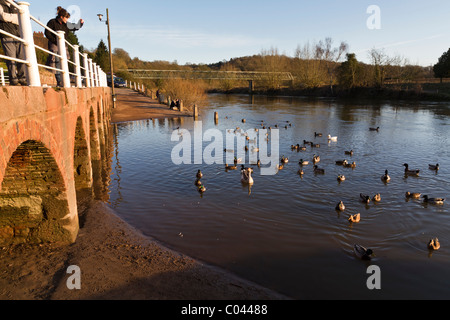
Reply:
x=330, y=138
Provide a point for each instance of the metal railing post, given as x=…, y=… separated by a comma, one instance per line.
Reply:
x=64, y=64
x=76, y=58
x=94, y=74
x=26, y=33
x=86, y=70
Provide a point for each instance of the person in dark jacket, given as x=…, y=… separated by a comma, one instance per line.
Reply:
x=60, y=23
x=9, y=22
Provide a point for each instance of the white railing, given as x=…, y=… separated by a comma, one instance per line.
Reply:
x=86, y=72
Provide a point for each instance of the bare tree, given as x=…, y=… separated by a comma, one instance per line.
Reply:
x=331, y=56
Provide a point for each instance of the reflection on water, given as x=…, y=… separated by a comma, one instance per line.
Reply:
x=284, y=231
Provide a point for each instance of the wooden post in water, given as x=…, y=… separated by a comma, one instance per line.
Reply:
x=195, y=111
x=181, y=106
x=216, y=117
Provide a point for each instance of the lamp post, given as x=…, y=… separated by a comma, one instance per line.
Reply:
x=100, y=16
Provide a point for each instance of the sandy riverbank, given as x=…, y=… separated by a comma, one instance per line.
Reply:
x=116, y=261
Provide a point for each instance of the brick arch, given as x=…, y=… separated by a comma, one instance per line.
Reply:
x=20, y=131
x=34, y=204
x=82, y=168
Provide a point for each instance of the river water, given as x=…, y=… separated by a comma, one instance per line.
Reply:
x=284, y=232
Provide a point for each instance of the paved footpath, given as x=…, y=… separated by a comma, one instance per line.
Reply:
x=131, y=106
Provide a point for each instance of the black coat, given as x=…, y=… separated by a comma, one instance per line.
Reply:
x=57, y=25
x=8, y=26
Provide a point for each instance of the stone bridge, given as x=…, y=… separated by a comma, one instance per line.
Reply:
x=52, y=143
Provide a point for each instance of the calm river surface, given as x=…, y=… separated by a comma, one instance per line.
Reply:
x=286, y=234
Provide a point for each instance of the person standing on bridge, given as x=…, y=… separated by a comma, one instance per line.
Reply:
x=60, y=23
x=9, y=22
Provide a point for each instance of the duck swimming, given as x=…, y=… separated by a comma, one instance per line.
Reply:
x=355, y=218
x=426, y=199
x=414, y=195
x=318, y=170
x=434, y=244
x=303, y=162
x=246, y=175
x=362, y=253
x=330, y=138
x=341, y=162
x=199, y=174
x=340, y=206
x=434, y=166
x=227, y=167
x=386, y=177
x=316, y=158
x=376, y=198
x=410, y=172
x=364, y=198
x=341, y=178
x=350, y=165
x=349, y=152
x=201, y=188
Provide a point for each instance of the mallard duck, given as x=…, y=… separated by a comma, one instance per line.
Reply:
x=284, y=159
x=227, y=167
x=385, y=177
x=414, y=195
x=236, y=160
x=315, y=145
x=410, y=172
x=350, y=152
x=317, y=134
x=302, y=148
x=376, y=197
x=341, y=178
x=246, y=175
x=434, y=244
x=362, y=253
x=374, y=129
x=350, y=165
x=258, y=163
x=201, y=188
x=199, y=174
x=294, y=147
x=341, y=162
x=340, y=206
x=306, y=142
x=198, y=182
x=300, y=172
x=433, y=200
x=303, y=162
x=434, y=166
x=364, y=198
x=330, y=138
x=318, y=170
x=280, y=167
x=316, y=158
x=355, y=218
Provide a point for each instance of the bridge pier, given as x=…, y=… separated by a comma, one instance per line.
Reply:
x=251, y=86
x=50, y=159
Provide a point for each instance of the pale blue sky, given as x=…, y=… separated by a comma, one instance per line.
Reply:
x=201, y=31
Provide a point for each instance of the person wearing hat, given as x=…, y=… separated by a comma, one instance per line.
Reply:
x=9, y=22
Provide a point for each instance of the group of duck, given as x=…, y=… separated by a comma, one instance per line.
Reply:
x=360, y=251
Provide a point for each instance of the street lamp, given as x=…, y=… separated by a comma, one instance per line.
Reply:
x=100, y=16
